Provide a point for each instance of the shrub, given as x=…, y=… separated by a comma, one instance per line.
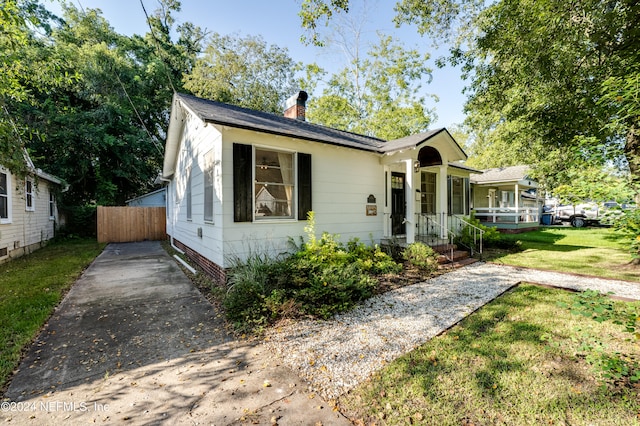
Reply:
x=628, y=224
x=492, y=238
x=246, y=289
x=421, y=256
x=321, y=278
x=334, y=289
x=79, y=221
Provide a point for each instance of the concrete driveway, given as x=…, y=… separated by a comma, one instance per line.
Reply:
x=135, y=342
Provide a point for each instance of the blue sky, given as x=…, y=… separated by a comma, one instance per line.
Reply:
x=278, y=23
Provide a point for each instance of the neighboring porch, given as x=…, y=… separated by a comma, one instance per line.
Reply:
x=506, y=198
x=509, y=218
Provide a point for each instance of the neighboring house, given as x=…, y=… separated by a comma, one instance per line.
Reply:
x=28, y=211
x=242, y=181
x=157, y=198
x=506, y=198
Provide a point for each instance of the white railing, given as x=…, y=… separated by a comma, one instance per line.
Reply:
x=507, y=214
x=474, y=240
x=434, y=232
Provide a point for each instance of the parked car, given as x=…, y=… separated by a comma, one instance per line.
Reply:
x=577, y=215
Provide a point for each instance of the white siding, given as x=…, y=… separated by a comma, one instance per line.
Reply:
x=197, y=139
x=342, y=180
x=28, y=229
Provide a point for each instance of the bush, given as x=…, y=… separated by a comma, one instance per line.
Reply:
x=334, y=289
x=247, y=286
x=79, y=221
x=628, y=224
x=492, y=238
x=321, y=278
x=421, y=256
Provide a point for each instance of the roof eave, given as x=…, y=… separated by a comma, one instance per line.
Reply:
x=172, y=145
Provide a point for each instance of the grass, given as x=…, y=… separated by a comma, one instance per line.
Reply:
x=590, y=251
x=519, y=360
x=30, y=288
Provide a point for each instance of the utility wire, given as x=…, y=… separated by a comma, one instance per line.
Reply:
x=124, y=89
x=155, y=143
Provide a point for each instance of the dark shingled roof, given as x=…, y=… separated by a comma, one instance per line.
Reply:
x=243, y=118
x=410, y=141
x=501, y=174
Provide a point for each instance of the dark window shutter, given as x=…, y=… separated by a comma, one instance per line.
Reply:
x=242, y=196
x=467, y=196
x=304, y=185
x=449, y=195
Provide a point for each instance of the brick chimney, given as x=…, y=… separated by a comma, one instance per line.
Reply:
x=295, y=106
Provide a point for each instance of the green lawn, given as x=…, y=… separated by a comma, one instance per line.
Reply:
x=590, y=251
x=30, y=288
x=520, y=360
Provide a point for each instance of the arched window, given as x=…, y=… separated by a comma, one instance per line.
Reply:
x=429, y=156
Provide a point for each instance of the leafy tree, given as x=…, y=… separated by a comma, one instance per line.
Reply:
x=548, y=77
x=377, y=92
x=376, y=95
x=102, y=131
x=245, y=72
x=19, y=70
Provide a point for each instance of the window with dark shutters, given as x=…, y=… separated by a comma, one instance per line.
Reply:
x=271, y=193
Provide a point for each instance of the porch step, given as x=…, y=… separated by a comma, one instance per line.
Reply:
x=464, y=262
x=458, y=256
x=444, y=248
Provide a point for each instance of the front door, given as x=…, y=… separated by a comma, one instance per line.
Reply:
x=398, y=203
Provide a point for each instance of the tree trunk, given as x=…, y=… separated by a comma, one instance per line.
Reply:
x=632, y=152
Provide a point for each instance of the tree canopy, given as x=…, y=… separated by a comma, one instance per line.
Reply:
x=552, y=83
x=91, y=104
x=376, y=95
x=244, y=71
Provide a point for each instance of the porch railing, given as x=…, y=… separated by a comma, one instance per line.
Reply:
x=507, y=214
x=432, y=230
x=470, y=236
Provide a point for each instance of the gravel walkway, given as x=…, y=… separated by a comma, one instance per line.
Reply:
x=335, y=355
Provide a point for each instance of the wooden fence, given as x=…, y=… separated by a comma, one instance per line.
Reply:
x=129, y=224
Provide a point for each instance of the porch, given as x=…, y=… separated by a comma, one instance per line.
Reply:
x=506, y=198
x=509, y=218
x=444, y=233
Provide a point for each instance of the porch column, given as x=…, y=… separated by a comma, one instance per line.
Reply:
x=443, y=199
x=517, y=197
x=410, y=225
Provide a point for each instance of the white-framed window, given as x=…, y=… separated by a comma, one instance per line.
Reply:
x=5, y=197
x=508, y=199
x=208, y=186
x=458, y=195
x=188, y=194
x=428, y=193
x=29, y=195
x=274, y=184
x=52, y=205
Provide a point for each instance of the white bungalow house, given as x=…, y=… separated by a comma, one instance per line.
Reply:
x=506, y=198
x=241, y=181
x=28, y=212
